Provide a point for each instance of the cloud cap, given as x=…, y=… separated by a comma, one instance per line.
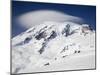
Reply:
x=33, y=18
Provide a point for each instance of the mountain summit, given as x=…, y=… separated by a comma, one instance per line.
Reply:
x=45, y=46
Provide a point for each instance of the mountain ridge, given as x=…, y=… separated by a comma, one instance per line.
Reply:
x=51, y=41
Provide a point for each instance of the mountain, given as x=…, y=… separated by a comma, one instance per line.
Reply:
x=43, y=47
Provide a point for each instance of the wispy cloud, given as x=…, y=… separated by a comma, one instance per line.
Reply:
x=33, y=18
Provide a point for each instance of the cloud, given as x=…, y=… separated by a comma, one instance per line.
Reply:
x=33, y=18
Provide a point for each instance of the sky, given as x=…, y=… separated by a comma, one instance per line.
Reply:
x=87, y=13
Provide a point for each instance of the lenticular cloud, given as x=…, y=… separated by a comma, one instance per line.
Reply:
x=33, y=18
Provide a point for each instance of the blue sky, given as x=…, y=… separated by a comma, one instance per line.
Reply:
x=88, y=13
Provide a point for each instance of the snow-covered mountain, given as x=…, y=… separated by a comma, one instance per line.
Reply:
x=54, y=46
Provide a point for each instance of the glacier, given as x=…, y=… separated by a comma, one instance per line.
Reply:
x=54, y=46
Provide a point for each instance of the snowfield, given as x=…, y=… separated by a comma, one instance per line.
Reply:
x=54, y=46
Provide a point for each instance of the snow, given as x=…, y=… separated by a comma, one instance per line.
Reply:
x=75, y=50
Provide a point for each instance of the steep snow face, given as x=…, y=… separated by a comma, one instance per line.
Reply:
x=50, y=42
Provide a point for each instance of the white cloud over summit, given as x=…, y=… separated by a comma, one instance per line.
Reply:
x=33, y=18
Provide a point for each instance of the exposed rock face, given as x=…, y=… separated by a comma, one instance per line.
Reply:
x=50, y=41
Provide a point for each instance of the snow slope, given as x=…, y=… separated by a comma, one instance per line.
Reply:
x=54, y=46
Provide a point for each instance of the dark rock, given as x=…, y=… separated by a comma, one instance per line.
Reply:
x=66, y=30
x=55, y=58
x=40, y=35
x=75, y=52
x=65, y=48
x=64, y=56
x=78, y=51
x=53, y=35
x=46, y=64
x=27, y=40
